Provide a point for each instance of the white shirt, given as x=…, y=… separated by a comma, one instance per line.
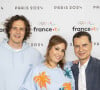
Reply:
x=82, y=76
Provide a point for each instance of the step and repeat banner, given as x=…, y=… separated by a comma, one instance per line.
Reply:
x=60, y=17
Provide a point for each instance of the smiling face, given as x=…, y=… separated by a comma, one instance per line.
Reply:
x=56, y=53
x=82, y=48
x=17, y=32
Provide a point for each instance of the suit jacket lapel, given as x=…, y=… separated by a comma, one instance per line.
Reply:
x=90, y=75
x=75, y=71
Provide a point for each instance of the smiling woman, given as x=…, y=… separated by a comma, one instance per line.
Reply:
x=52, y=74
x=56, y=51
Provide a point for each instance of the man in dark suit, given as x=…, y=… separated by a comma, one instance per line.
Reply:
x=87, y=71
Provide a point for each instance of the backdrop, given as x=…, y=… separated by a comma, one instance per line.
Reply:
x=60, y=17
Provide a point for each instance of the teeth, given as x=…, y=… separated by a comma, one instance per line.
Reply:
x=17, y=36
x=81, y=53
x=58, y=57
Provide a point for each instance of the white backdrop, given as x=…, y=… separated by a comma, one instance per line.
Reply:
x=62, y=17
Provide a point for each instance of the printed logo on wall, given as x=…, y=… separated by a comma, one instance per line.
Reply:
x=1, y=27
x=46, y=27
x=85, y=26
x=94, y=43
x=29, y=8
x=70, y=7
x=88, y=27
x=43, y=26
x=35, y=44
x=1, y=8
x=96, y=7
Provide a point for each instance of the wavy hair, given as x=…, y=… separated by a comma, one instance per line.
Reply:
x=9, y=22
x=56, y=39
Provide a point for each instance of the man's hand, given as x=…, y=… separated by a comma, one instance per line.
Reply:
x=75, y=62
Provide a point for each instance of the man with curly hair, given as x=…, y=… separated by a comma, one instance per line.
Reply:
x=16, y=56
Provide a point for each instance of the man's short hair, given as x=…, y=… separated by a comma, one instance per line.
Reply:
x=80, y=34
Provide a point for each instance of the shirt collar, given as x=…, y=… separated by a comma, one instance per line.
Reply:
x=84, y=65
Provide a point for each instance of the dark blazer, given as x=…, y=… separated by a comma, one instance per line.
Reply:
x=92, y=74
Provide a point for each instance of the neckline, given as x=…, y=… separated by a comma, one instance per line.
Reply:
x=49, y=67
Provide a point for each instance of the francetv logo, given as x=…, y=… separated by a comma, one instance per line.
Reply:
x=85, y=26
x=45, y=29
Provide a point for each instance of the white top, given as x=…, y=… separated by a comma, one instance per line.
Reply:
x=82, y=76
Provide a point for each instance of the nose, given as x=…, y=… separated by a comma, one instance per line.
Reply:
x=80, y=48
x=17, y=30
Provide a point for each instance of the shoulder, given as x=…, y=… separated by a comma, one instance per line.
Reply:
x=26, y=46
x=74, y=67
x=3, y=45
x=3, y=42
x=67, y=70
x=34, y=50
x=0, y=43
x=38, y=68
x=94, y=62
x=97, y=61
x=30, y=49
x=68, y=64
